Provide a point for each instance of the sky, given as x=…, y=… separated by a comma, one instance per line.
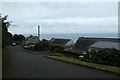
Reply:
x=62, y=17
x=60, y=0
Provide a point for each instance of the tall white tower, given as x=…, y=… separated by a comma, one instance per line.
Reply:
x=38, y=32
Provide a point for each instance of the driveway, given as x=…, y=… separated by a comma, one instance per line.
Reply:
x=26, y=64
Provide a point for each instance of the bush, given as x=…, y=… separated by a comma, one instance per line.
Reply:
x=55, y=48
x=69, y=53
x=30, y=48
x=41, y=46
x=60, y=49
x=105, y=56
x=58, y=55
x=17, y=42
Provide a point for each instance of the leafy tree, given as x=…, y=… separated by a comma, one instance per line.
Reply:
x=6, y=36
x=15, y=37
x=19, y=37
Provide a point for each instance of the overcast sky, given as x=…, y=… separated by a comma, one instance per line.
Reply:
x=62, y=17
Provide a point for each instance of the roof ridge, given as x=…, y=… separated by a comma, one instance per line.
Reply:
x=97, y=38
x=62, y=38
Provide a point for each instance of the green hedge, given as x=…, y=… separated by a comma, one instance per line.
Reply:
x=41, y=46
x=69, y=53
x=55, y=48
x=105, y=56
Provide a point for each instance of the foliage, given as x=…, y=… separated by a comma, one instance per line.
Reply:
x=68, y=53
x=105, y=56
x=6, y=36
x=19, y=37
x=45, y=45
x=60, y=49
x=42, y=45
x=55, y=48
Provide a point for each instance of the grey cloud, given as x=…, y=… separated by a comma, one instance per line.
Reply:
x=58, y=15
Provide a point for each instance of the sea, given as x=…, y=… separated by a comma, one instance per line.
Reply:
x=74, y=37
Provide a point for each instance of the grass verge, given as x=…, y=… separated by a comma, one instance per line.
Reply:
x=72, y=60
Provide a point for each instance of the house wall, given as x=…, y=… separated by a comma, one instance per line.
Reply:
x=70, y=43
x=95, y=48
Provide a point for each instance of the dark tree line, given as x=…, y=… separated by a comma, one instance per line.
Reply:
x=45, y=45
x=18, y=37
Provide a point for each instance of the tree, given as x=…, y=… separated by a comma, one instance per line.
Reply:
x=16, y=37
x=6, y=36
x=19, y=37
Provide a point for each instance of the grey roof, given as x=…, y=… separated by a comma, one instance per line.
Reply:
x=59, y=41
x=103, y=44
x=83, y=43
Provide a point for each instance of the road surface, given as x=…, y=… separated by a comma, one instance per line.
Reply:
x=24, y=64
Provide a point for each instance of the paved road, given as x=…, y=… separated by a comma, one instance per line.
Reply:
x=24, y=64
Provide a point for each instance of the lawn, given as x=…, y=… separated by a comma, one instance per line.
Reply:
x=72, y=60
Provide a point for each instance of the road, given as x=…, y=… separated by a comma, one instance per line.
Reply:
x=24, y=64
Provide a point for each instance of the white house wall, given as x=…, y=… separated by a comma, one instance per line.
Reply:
x=70, y=43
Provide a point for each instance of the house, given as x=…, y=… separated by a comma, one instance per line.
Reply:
x=66, y=43
x=83, y=43
x=32, y=40
x=103, y=44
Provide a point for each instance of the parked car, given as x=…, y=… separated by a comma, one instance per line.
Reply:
x=26, y=46
x=13, y=44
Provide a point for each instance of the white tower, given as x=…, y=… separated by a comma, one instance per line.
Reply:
x=38, y=32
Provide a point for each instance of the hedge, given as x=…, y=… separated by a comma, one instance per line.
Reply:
x=69, y=53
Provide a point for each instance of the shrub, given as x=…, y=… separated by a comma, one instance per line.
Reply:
x=55, y=48
x=41, y=46
x=105, y=56
x=69, y=53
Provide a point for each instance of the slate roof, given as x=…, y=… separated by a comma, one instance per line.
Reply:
x=104, y=44
x=59, y=41
x=83, y=43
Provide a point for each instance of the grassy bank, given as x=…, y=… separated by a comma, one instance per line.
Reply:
x=83, y=63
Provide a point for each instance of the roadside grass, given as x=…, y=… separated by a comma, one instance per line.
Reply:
x=72, y=60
